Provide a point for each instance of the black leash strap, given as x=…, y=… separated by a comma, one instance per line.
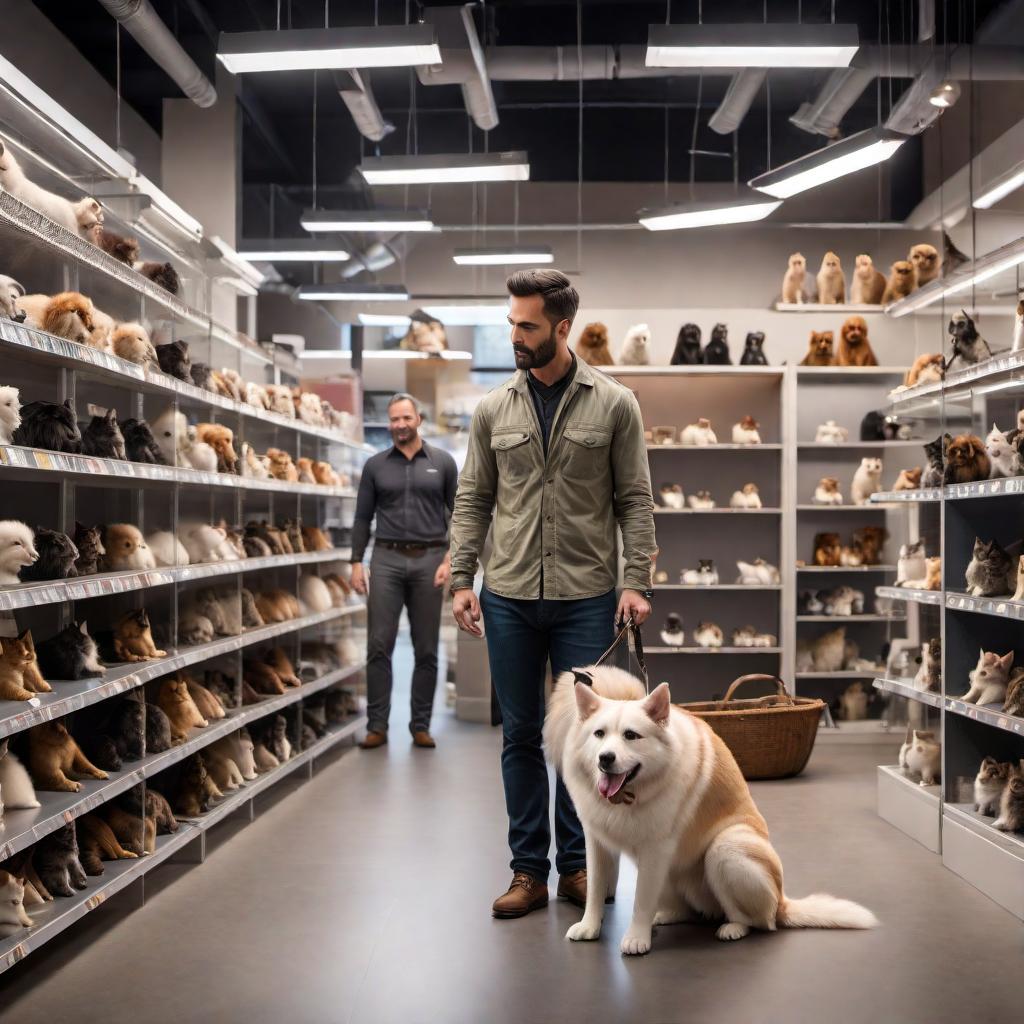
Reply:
x=630, y=628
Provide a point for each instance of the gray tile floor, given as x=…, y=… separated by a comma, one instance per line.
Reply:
x=364, y=895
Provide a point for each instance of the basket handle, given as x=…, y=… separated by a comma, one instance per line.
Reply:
x=755, y=677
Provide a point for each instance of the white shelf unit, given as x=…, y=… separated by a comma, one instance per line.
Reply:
x=55, y=489
x=678, y=395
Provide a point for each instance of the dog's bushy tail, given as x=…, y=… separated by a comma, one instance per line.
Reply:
x=824, y=911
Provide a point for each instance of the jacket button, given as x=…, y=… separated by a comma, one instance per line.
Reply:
x=550, y=518
x=589, y=440
x=551, y=481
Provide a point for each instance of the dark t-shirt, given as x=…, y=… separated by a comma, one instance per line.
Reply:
x=546, y=399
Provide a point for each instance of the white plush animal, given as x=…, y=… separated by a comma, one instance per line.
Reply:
x=866, y=480
x=199, y=454
x=239, y=747
x=201, y=541
x=256, y=467
x=17, y=549
x=126, y=549
x=15, y=782
x=699, y=433
x=1003, y=456
x=636, y=348
x=830, y=432
x=167, y=549
x=705, y=574
x=310, y=409
x=922, y=755
x=1018, y=327
x=989, y=679
x=672, y=495
x=672, y=632
x=747, y=497
x=827, y=492
x=911, y=566
x=281, y=400
x=313, y=593
x=10, y=413
x=758, y=573
x=80, y=218
x=746, y=432
x=10, y=292
x=707, y=634
x=701, y=500
x=256, y=396
x=170, y=429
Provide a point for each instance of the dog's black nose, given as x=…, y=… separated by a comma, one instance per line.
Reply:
x=606, y=758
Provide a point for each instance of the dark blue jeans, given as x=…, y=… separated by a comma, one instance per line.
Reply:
x=522, y=636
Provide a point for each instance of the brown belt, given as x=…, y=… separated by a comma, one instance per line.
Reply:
x=411, y=548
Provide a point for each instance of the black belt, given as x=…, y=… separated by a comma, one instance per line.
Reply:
x=412, y=547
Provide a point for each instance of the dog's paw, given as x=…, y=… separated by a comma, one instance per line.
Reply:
x=731, y=931
x=635, y=943
x=583, y=931
x=672, y=915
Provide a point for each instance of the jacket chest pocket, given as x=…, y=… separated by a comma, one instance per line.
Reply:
x=512, y=454
x=586, y=452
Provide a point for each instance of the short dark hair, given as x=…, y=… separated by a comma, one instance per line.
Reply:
x=403, y=396
x=561, y=300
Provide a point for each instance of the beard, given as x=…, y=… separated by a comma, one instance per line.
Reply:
x=402, y=435
x=534, y=359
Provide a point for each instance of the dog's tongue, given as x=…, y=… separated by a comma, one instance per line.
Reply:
x=609, y=785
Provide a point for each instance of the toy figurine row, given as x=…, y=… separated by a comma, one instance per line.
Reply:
x=711, y=635
x=966, y=458
x=758, y=573
x=968, y=346
x=672, y=497
x=701, y=434
x=594, y=349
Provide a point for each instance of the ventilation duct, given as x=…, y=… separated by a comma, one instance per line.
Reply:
x=742, y=90
x=914, y=110
x=841, y=90
x=358, y=97
x=551, y=63
x=377, y=257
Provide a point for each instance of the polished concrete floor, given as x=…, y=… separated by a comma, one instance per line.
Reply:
x=364, y=895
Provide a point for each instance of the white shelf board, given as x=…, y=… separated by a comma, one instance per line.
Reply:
x=844, y=674
x=846, y=568
x=1013, y=485
x=911, y=594
x=720, y=447
x=693, y=371
x=844, y=508
x=989, y=714
x=845, y=374
x=829, y=307
x=851, y=618
x=927, y=494
x=718, y=511
x=906, y=688
x=717, y=586
x=911, y=807
x=991, y=860
x=982, y=824
x=713, y=650
x=856, y=445
x=1002, y=607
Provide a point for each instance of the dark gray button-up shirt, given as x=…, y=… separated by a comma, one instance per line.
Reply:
x=411, y=498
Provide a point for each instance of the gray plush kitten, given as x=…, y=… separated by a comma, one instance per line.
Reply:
x=991, y=572
x=56, y=861
x=989, y=784
x=1011, y=806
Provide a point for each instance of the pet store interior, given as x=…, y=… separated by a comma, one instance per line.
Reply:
x=230, y=232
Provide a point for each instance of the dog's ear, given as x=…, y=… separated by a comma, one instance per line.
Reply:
x=583, y=677
x=587, y=702
x=658, y=704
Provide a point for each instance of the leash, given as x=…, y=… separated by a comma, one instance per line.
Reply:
x=628, y=629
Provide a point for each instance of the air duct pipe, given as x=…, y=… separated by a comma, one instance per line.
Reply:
x=358, y=97
x=145, y=26
x=841, y=90
x=742, y=91
x=377, y=257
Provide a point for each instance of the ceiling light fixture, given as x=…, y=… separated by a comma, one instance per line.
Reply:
x=353, y=292
x=384, y=320
x=309, y=49
x=751, y=46
x=299, y=250
x=1010, y=182
x=470, y=316
x=441, y=169
x=945, y=94
x=707, y=214
x=864, y=149
x=503, y=255
x=366, y=220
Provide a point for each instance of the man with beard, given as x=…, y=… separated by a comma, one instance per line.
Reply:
x=410, y=488
x=557, y=457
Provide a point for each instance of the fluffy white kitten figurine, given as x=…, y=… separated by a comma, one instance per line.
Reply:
x=989, y=679
x=758, y=573
x=922, y=755
x=699, y=433
x=910, y=566
x=10, y=413
x=199, y=454
x=671, y=495
x=15, y=782
x=1018, y=327
x=17, y=549
x=745, y=432
x=636, y=349
x=1003, y=457
x=166, y=548
x=707, y=634
x=170, y=429
x=701, y=500
x=705, y=574
x=866, y=480
x=672, y=632
x=746, y=497
x=201, y=541
x=830, y=432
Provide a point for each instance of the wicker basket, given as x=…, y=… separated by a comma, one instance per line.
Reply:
x=771, y=737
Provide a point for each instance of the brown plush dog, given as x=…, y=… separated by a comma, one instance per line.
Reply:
x=195, y=789
x=176, y=702
x=54, y=758
x=20, y=678
x=592, y=346
x=315, y=539
x=902, y=281
x=926, y=369
x=926, y=262
x=304, y=467
x=221, y=439
x=281, y=465
x=124, y=250
x=263, y=678
x=323, y=473
x=819, y=350
x=854, y=347
x=870, y=540
x=966, y=460
x=133, y=640
x=69, y=315
x=826, y=549
x=908, y=480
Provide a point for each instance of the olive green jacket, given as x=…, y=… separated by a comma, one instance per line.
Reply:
x=559, y=511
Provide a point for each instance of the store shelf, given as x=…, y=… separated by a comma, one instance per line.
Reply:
x=713, y=650
x=844, y=374
x=34, y=463
x=906, y=688
x=851, y=445
x=718, y=511
x=989, y=714
x=839, y=308
x=844, y=674
x=694, y=371
x=721, y=447
x=991, y=860
x=1003, y=607
x=81, y=588
x=907, y=497
x=59, y=352
x=846, y=568
x=911, y=807
x=851, y=618
x=16, y=716
x=717, y=586
x=844, y=508
x=912, y=594
x=984, y=489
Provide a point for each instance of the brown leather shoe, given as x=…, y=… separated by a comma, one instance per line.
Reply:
x=374, y=740
x=422, y=738
x=525, y=894
x=573, y=887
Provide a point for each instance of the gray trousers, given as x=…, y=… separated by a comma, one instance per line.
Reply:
x=397, y=581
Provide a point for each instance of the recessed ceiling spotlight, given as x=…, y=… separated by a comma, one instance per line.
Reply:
x=945, y=94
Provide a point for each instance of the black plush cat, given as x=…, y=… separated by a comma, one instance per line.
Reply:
x=716, y=352
x=140, y=444
x=935, y=452
x=222, y=686
x=51, y=426
x=311, y=722
x=103, y=437
x=753, y=350
x=101, y=750
x=57, y=864
x=57, y=555
x=158, y=729
x=123, y=735
x=687, y=351
x=991, y=572
x=89, y=541
x=162, y=274
x=71, y=654
x=174, y=360
x=200, y=374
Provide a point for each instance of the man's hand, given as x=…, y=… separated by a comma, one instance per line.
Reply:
x=360, y=578
x=466, y=609
x=443, y=574
x=633, y=605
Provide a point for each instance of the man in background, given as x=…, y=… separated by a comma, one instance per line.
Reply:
x=410, y=489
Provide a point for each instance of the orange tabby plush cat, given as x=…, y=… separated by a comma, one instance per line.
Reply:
x=133, y=640
x=176, y=702
x=54, y=757
x=20, y=678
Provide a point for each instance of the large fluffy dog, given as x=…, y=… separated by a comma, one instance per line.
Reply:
x=654, y=782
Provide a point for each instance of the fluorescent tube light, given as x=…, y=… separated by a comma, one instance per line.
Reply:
x=301, y=250
x=864, y=149
x=240, y=266
x=353, y=292
x=164, y=205
x=751, y=46
x=453, y=167
x=1013, y=181
x=702, y=215
x=384, y=320
x=503, y=255
x=366, y=220
x=308, y=49
x=470, y=316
